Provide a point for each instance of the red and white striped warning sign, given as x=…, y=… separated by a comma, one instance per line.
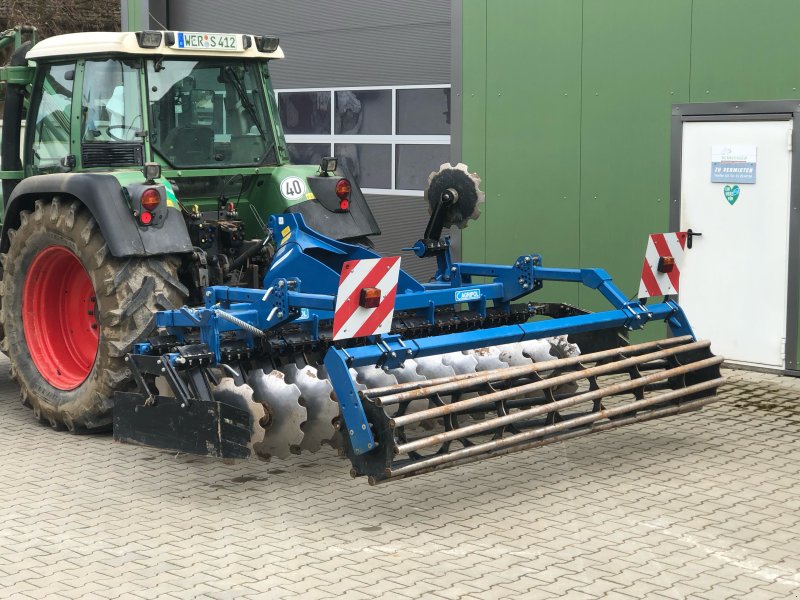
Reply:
x=662, y=264
x=365, y=300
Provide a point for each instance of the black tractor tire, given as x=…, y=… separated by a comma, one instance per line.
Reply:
x=123, y=297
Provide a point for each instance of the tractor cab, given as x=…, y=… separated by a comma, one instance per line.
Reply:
x=198, y=106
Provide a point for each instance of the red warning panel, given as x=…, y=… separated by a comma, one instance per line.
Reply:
x=661, y=271
x=365, y=299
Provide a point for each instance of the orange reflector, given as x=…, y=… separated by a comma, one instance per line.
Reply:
x=666, y=264
x=370, y=297
x=145, y=218
x=150, y=199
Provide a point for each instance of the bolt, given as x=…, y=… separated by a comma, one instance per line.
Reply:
x=369, y=446
x=525, y=286
x=394, y=355
x=163, y=370
x=527, y=259
x=408, y=352
x=352, y=432
x=453, y=269
x=183, y=405
x=281, y=283
x=280, y=314
x=127, y=359
x=364, y=426
x=208, y=294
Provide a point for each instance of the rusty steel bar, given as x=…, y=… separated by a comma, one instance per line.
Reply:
x=512, y=444
x=640, y=418
x=570, y=377
x=511, y=372
x=485, y=376
x=536, y=411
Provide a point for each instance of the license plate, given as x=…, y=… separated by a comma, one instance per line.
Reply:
x=207, y=41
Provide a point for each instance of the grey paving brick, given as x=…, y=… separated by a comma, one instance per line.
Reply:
x=704, y=506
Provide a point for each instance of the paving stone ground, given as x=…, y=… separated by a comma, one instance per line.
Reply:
x=707, y=506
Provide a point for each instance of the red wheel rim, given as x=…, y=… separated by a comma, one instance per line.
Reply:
x=58, y=318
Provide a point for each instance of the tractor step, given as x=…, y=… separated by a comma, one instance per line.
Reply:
x=491, y=413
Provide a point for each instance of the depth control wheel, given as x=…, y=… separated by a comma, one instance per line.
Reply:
x=71, y=312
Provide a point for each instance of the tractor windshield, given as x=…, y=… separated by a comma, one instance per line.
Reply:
x=209, y=113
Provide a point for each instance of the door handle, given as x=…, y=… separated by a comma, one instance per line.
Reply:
x=689, y=235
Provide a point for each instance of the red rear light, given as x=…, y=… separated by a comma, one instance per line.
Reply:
x=370, y=297
x=344, y=204
x=150, y=199
x=145, y=218
x=343, y=189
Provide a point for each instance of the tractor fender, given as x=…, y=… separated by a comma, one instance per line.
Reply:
x=102, y=194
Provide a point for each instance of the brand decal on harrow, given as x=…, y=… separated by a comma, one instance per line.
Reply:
x=662, y=264
x=468, y=295
x=350, y=318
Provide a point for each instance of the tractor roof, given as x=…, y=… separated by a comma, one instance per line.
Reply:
x=128, y=42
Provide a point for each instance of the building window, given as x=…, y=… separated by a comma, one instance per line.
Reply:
x=389, y=138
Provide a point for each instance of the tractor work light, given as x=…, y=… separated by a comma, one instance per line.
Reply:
x=151, y=171
x=150, y=199
x=148, y=39
x=266, y=43
x=369, y=297
x=328, y=164
x=666, y=264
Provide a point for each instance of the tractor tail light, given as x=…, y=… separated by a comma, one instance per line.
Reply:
x=150, y=199
x=343, y=190
x=666, y=264
x=370, y=297
x=145, y=218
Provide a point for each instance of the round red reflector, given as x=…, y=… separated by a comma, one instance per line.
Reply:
x=150, y=199
x=344, y=204
x=343, y=188
x=145, y=218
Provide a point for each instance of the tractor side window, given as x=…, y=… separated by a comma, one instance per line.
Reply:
x=52, y=121
x=112, y=110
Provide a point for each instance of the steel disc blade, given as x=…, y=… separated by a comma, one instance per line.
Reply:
x=241, y=396
x=283, y=434
x=321, y=408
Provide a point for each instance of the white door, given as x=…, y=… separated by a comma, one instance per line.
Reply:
x=734, y=278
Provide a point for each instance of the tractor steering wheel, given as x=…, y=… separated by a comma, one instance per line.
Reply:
x=127, y=129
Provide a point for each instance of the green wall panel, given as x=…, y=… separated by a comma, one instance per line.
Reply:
x=635, y=66
x=533, y=133
x=473, y=106
x=566, y=116
x=745, y=50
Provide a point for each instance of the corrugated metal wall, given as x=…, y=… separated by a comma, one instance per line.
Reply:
x=342, y=43
x=567, y=111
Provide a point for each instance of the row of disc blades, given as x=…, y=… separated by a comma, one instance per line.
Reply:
x=294, y=408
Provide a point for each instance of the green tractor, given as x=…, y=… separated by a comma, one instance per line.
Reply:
x=146, y=164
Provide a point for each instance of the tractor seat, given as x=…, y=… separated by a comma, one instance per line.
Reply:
x=190, y=144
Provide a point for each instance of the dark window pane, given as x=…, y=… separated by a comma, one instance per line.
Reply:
x=369, y=164
x=423, y=112
x=367, y=112
x=416, y=161
x=308, y=154
x=305, y=112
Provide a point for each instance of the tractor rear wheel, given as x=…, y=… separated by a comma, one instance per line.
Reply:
x=72, y=311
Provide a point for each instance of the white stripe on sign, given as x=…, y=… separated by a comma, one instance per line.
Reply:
x=350, y=318
x=654, y=282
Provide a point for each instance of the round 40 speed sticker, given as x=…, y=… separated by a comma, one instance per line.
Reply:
x=292, y=188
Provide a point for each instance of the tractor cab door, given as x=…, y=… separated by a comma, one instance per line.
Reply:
x=49, y=122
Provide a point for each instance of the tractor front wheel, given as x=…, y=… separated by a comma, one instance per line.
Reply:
x=71, y=312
